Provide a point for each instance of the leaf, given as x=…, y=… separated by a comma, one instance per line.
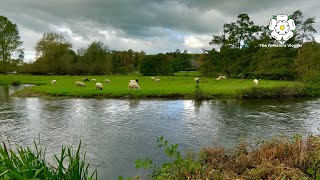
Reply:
x=311, y=172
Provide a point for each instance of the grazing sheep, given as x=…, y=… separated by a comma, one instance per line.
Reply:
x=221, y=77
x=153, y=78
x=99, y=86
x=133, y=85
x=94, y=80
x=255, y=81
x=157, y=80
x=197, y=79
x=79, y=83
x=85, y=79
x=53, y=81
x=107, y=81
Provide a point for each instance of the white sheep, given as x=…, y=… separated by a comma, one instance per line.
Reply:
x=99, y=86
x=107, y=81
x=79, y=83
x=221, y=77
x=157, y=80
x=153, y=78
x=133, y=85
x=53, y=81
x=255, y=81
x=196, y=79
x=94, y=80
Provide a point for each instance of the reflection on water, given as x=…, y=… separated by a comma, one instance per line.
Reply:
x=4, y=93
x=117, y=132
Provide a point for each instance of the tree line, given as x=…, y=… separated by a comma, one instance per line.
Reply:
x=239, y=54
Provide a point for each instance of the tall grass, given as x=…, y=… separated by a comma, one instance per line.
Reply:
x=23, y=163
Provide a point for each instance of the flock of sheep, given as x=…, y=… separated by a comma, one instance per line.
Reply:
x=133, y=84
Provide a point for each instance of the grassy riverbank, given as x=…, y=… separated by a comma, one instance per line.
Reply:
x=281, y=158
x=180, y=86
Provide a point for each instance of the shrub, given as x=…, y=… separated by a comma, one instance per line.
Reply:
x=15, y=83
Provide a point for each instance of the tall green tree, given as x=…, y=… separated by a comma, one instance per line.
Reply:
x=237, y=34
x=94, y=58
x=9, y=41
x=307, y=62
x=54, y=54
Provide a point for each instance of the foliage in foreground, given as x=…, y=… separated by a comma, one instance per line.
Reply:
x=274, y=159
x=23, y=163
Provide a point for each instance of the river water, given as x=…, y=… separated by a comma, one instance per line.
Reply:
x=117, y=132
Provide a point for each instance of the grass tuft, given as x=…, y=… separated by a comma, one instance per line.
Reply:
x=23, y=163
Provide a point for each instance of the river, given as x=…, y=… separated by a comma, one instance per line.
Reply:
x=117, y=132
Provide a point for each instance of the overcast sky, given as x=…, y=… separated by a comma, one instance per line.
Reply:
x=154, y=26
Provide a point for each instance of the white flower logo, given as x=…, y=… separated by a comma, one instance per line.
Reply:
x=282, y=27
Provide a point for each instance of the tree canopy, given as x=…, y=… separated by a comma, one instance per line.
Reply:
x=9, y=42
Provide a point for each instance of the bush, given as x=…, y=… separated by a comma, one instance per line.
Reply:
x=280, y=158
x=15, y=83
x=277, y=92
x=198, y=93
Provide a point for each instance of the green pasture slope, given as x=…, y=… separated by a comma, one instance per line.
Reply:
x=182, y=85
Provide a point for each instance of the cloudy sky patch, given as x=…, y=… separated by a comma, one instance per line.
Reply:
x=154, y=26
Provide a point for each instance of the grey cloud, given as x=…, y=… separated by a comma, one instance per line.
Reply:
x=155, y=25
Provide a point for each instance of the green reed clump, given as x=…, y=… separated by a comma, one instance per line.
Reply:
x=15, y=83
x=198, y=93
x=23, y=163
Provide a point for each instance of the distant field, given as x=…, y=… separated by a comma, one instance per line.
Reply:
x=179, y=86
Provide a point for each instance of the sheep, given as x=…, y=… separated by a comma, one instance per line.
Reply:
x=153, y=78
x=133, y=85
x=79, y=83
x=99, y=86
x=85, y=79
x=197, y=79
x=107, y=81
x=94, y=80
x=255, y=81
x=53, y=81
x=221, y=77
x=157, y=80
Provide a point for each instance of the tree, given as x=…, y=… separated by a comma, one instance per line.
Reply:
x=237, y=34
x=9, y=41
x=305, y=29
x=307, y=62
x=54, y=54
x=94, y=58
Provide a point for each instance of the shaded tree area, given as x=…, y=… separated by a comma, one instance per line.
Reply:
x=55, y=56
x=167, y=64
x=241, y=56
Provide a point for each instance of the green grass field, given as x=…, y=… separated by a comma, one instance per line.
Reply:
x=178, y=86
